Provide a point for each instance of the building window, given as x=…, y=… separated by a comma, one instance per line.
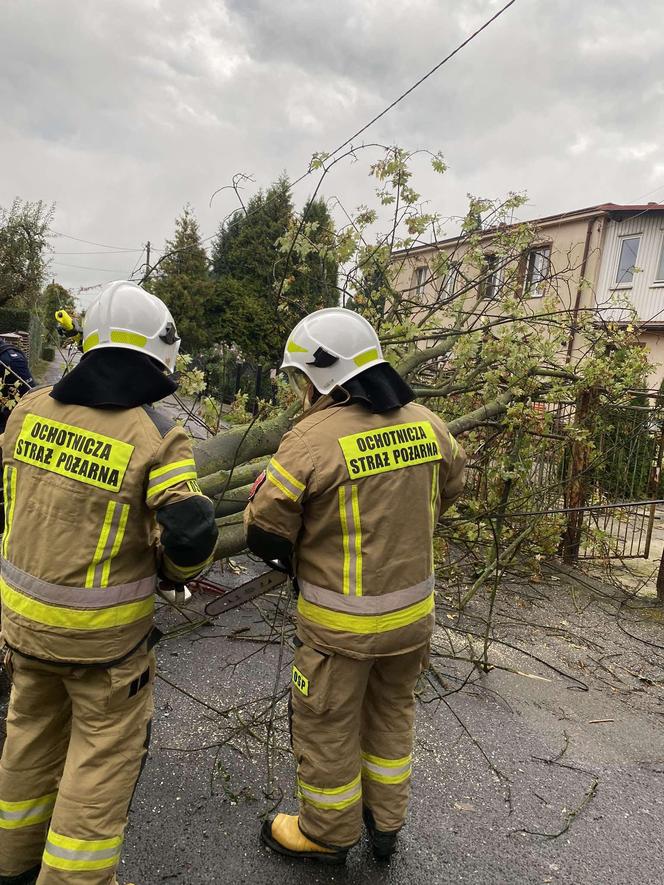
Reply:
x=629, y=250
x=492, y=279
x=421, y=278
x=659, y=275
x=538, y=267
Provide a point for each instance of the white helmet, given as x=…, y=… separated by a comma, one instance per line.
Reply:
x=331, y=346
x=126, y=315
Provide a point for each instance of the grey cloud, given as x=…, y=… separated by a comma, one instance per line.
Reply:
x=123, y=111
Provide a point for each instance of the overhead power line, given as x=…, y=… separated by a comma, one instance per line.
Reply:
x=419, y=82
x=90, y=243
x=86, y=267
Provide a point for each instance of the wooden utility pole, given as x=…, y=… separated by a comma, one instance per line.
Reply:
x=147, y=257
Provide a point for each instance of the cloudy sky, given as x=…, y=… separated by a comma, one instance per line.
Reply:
x=122, y=111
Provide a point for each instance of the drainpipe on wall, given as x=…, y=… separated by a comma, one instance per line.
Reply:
x=579, y=291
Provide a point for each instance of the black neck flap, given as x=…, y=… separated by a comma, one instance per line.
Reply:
x=379, y=389
x=114, y=378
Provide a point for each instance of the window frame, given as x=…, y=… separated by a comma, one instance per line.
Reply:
x=659, y=281
x=621, y=242
x=493, y=279
x=418, y=285
x=532, y=289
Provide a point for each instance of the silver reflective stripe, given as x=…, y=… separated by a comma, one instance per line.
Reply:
x=9, y=488
x=96, y=573
x=399, y=774
x=39, y=808
x=76, y=597
x=72, y=854
x=351, y=533
x=276, y=472
x=366, y=605
x=164, y=480
x=332, y=798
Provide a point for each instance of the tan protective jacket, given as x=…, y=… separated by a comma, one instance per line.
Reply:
x=80, y=553
x=358, y=495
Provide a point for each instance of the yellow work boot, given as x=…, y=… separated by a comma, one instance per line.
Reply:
x=283, y=834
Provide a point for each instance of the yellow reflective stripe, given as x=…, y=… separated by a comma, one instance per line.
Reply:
x=289, y=476
x=335, y=798
x=186, y=571
x=345, y=540
x=332, y=791
x=156, y=472
x=358, y=541
x=434, y=495
x=27, y=812
x=90, y=342
x=83, y=844
x=10, y=504
x=122, y=337
x=386, y=778
x=78, y=855
x=434, y=498
x=75, y=619
x=117, y=543
x=365, y=624
x=363, y=358
x=172, y=481
x=388, y=763
x=101, y=544
x=454, y=444
x=273, y=479
x=386, y=771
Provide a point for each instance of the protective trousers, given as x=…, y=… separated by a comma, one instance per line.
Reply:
x=76, y=741
x=352, y=732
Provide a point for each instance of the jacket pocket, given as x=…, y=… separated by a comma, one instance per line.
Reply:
x=312, y=678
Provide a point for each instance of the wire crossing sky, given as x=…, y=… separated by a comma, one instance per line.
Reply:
x=122, y=112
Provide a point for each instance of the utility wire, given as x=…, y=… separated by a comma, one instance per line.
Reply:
x=425, y=77
x=86, y=267
x=90, y=243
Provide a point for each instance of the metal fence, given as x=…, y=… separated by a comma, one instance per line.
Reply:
x=597, y=466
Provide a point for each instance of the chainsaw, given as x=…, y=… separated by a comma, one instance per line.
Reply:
x=228, y=599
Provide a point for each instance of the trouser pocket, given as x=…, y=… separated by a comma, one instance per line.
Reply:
x=312, y=679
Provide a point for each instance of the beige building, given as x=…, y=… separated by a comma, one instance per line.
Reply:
x=607, y=258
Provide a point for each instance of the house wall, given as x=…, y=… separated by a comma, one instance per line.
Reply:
x=644, y=294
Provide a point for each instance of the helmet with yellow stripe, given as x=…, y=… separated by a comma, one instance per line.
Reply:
x=127, y=316
x=330, y=347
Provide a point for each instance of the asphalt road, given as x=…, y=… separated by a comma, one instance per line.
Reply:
x=517, y=779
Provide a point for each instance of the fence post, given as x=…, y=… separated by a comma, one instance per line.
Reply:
x=660, y=580
x=577, y=493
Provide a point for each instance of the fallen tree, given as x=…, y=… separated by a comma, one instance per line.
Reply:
x=477, y=348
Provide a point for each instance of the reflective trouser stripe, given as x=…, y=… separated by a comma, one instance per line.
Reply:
x=284, y=480
x=365, y=624
x=65, y=853
x=75, y=619
x=26, y=813
x=336, y=798
x=387, y=771
x=170, y=475
x=185, y=571
x=10, y=503
x=110, y=540
x=351, y=534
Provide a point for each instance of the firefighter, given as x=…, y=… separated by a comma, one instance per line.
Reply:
x=102, y=500
x=350, y=501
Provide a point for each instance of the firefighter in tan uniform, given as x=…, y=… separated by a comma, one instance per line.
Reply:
x=102, y=500
x=351, y=500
